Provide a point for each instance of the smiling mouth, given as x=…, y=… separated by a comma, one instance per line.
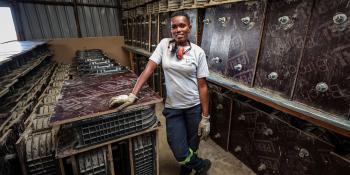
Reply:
x=180, y=36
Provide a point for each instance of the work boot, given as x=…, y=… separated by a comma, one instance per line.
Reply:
x=205, y=167
x=185, y=171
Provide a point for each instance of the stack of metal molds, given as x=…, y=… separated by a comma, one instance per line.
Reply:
x=163, y=5
x=156, y=7
x=149, y=8
x=174, y=5
x=201, y=3
x=36, y=146
x=25, y=68
x=94, y=61
x=187, y=3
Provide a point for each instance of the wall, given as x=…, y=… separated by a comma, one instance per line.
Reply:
x=64, y=49
x=49, y=19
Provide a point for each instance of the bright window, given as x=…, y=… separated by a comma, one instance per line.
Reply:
x=7, y=29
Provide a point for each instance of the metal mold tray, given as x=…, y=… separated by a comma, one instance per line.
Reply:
x=113, y=125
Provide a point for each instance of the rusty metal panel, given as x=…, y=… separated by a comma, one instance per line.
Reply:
x=154, y=31
x=284, y=34
x=47, y=21
x=220, y=110
x=220, y=40
x=324, y=74
x=164, y=25
x=245, y=40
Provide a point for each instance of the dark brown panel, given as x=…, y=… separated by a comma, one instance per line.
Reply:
x=157, y=80
x=89, y=96
x=269, y=145
x=125, y=31
x=145, y=36
x=304, y=153
x=243, y=123
x=154, y=31
x=139, y=31
x=134, y=31
x=245, y=40
x=336, y=165
x=130, y=29
x=285, y=30
x=220, y=110
x=324, y=75
x=164, y=26
x=208, y=28
x=221, y=35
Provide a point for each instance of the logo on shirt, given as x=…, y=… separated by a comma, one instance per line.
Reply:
x=189, y=60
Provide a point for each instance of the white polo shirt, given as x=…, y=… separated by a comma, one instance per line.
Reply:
x=181, y=75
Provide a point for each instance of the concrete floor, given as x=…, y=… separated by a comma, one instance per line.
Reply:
x=223, y=163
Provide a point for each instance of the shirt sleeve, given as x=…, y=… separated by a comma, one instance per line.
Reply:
x=202, y=70
x=158, y=53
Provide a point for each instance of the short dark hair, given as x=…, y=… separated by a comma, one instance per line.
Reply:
x=181, y=13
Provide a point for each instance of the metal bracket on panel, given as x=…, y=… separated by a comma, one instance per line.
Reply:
x=286, y=22
x=321, y=87
x=339, y=18
x=272, y=76
x=224, y=20
x=238, y=67
x=206, y=21
x=216, y=60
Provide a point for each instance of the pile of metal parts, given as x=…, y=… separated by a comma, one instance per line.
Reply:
x=24, y=72
x=36, y=146
x=94, y=61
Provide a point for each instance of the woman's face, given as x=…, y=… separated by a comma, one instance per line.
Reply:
x=180, y=28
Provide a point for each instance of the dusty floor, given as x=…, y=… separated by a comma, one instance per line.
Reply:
x=223, y=163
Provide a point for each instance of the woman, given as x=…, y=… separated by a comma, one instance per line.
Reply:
x=186, y=107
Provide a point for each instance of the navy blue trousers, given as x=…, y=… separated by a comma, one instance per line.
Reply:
x=182, y=135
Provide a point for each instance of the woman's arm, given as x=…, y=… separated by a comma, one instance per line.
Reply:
x=203, y=95
x=150, y=67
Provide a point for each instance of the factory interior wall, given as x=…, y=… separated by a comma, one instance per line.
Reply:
x=64, y=49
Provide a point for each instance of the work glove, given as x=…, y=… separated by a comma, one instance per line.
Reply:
x=204, y=127
x=122, y=100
